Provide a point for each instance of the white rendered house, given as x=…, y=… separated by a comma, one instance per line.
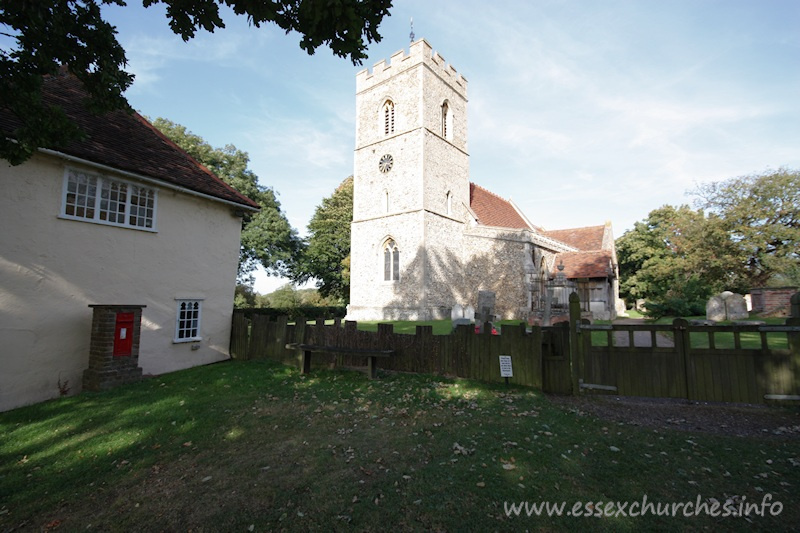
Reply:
x=123, y=217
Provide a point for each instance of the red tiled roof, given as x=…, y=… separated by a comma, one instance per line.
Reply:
x=127, y=142
x=589, y=238
x=492, y=210
x=585, y=264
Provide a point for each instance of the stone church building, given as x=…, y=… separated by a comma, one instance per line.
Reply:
x=424, y=238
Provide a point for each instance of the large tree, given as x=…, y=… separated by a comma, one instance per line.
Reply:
x=762, y=215
x=41, y=36
x=326, y=256
x=677, y=252
x=267, y=237
x=746, y=233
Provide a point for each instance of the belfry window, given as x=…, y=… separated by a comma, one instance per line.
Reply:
x=391, y=261
x=447, y=121
x=388, y=117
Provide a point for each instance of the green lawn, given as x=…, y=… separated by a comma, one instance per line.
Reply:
x=406, y=327
x=633, y=313
x=752, y=340
x=255, y=446
x=409, y=327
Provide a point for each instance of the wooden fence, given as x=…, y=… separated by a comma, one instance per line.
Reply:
x=463, y=353
x=677, y=360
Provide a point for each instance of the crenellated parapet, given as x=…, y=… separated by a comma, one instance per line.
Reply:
x=420, y=52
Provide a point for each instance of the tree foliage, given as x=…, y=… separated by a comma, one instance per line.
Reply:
x=285, y=297
x=745, y=234
x=267, y=237
x=326, y=256
x=290, y=297
x=673, y=249
x=46, y=34
x=762, y=215
x=246, y=297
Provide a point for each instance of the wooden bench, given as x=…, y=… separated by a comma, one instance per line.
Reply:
x=371, y=355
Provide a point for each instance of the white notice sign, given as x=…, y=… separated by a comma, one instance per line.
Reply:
x=505, y=367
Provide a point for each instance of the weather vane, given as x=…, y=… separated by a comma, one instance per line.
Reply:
x=412, y=30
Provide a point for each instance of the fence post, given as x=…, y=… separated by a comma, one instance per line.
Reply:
x=575, y=348
x=239, y=335
x=793, y=339
x=423, y=344
x=385, y=333
x=681, y=335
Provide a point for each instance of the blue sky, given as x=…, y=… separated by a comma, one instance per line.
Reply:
x=579, y=111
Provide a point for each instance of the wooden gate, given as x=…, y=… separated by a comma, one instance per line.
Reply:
x=556, y=368
x=696, y=362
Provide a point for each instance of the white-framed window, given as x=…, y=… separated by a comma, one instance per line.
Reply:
x=96, y=198
x=391, y=261
x=388, y=117
x=188, y=319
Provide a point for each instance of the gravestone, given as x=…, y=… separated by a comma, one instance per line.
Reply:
x=735, y=306
x=469, y=313
x=485, y=312
x=715, y=309
x=727, y=306
x=462, y=315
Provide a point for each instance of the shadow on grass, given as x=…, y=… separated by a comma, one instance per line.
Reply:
x=243, y=444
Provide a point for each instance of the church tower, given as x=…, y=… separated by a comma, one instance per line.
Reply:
x=411, y=188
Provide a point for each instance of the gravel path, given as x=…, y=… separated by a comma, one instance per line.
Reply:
x=735, y=419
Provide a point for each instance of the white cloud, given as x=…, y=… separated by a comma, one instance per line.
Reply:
x=298, y=143
x=150, y=55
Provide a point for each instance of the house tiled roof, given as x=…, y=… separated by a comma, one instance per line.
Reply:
x=584, y=239
x=128, y=142
x=593, y=264
x=492, y=210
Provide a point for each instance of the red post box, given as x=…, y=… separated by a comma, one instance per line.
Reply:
x=123, y=335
